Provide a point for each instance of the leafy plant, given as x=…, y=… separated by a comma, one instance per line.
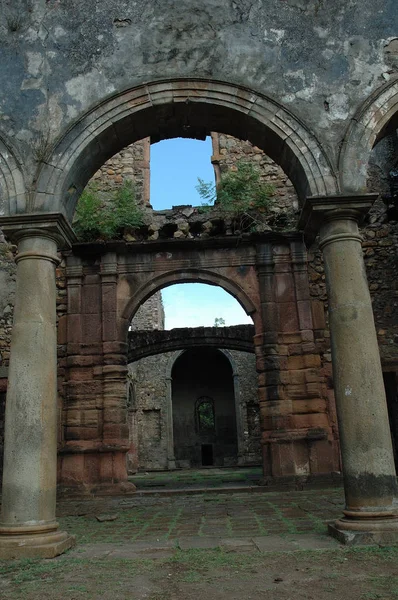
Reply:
x=240, y=194
x=106, y=219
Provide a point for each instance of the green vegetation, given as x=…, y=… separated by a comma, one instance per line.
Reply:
x=98, y=219
x=241, y=195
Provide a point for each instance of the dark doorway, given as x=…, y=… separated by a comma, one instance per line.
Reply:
x=207, y=455
x=204, y=419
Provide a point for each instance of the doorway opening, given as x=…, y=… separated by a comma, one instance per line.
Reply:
x=207, y=455
x=204, y=414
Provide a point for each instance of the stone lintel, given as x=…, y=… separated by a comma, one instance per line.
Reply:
x=318, y=208
x=54, y=225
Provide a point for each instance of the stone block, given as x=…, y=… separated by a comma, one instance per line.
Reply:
x=318, y=314
x=297, y=377
x=309, y=406
x=74, y=328
x=295, y=349
x=297, y=391
x=284, y=287
x=288, y=318
x=307, y=335
x=312, y=360
x=304, y=313
x=296, y=362
x=62, y=329
x=91, y=299
x=373, y=536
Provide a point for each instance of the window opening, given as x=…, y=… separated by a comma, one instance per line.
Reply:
x=205, y=417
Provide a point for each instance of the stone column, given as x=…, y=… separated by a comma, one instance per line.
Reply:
x=368, y=466
x=28, y=526
x=171, y=461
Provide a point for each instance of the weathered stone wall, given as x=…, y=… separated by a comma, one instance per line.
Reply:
x=150, y=315
x=100, y=49
x=380, y=244
x=130, y=164
x=7, y=291
x=149, y=380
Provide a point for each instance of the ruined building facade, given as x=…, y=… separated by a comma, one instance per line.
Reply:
x=313, y=86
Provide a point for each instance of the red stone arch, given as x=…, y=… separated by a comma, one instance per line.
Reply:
x=175, y=276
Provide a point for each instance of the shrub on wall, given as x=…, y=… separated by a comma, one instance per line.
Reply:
x=100, y=219
x=241, y=195
x=239, y=191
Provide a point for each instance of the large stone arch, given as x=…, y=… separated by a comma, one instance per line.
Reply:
x=365, y=130
x=191, y=275
x=180, y=107
x=12, y=187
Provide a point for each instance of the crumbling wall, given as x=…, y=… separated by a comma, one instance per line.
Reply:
x=150, y=315
x=130, y=164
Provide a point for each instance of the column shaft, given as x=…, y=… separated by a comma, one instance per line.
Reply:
x=368, y=466
x=28, y=527
x=29, y=479
x=369, y=472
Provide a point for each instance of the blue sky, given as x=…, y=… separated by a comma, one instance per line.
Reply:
x=175, y=167
x=197, y=305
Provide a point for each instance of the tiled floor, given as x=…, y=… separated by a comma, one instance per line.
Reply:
x=208, y=515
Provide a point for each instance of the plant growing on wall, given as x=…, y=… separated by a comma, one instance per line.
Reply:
x=241, y=195
x=100, y=219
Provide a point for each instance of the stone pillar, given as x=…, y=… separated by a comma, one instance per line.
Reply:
x=368, y=466
x=171, y=461
x=28, y=526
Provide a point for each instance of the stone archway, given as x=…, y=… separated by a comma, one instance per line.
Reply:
x=188, y=108
x=242, y=293
x=365, y=129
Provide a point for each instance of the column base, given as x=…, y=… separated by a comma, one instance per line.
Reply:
x=367, y=531
x=35, y=545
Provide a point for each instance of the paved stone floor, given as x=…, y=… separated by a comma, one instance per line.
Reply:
x=207, y=516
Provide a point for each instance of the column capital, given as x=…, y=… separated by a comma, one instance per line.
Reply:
x=318, y=209
x=51, y=225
